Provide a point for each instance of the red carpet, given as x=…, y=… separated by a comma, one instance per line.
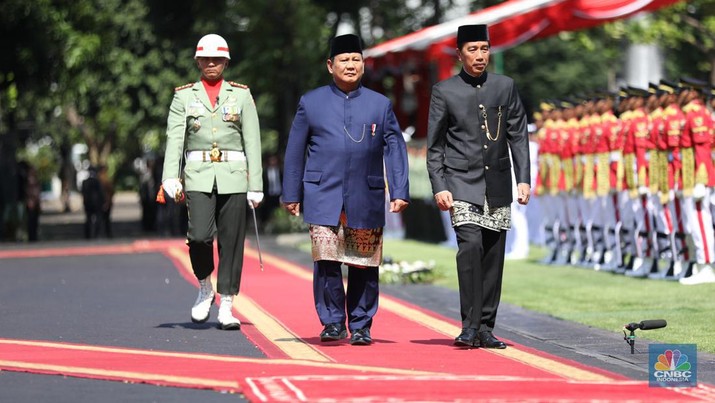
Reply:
x=412, y=358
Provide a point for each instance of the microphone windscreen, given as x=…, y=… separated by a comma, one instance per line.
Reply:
x=653, y=324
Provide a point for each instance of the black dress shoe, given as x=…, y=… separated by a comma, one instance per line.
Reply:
x=361, y=337
x=333, y=331
x=488, y=340
x=468, y=338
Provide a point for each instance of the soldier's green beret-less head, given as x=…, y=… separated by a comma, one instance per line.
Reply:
x=349, y=43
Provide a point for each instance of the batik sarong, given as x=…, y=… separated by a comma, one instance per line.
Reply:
x=495, y=219
x=356, y=247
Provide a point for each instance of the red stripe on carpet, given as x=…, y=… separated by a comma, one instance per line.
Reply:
x=359, y=373
x=451, y=389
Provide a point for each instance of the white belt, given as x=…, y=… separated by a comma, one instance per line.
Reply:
x=205, y=156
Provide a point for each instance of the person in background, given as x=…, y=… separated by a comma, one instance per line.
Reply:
x=108, y=197
x=93, y=200
x=476, y=119
x=345, y=150
x=272, y=187
x=216, y=123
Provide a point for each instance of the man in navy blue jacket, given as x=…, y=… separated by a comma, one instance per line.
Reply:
x=345, y=152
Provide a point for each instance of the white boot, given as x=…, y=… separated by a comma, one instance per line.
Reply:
x=225, y=315
x=202, y=306
x=704, y=275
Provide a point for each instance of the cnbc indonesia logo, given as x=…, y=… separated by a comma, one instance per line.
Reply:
x=673, y=368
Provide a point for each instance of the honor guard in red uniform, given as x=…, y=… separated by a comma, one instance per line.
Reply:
x=610, y=171
x=602, y=119
x=640, y=133
x=586, y=197
x=674, y=121
x=663, y=238
x=555, y=180
x=549, y=172
x=697, y=172
x=569, y=214
x=627, y=180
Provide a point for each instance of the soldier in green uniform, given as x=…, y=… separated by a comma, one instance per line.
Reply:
x=213, y=127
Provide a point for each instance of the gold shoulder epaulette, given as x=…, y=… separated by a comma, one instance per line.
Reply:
x=185, y=86
x=235, y=84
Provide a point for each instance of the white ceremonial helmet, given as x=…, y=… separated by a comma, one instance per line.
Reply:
x=212, y=45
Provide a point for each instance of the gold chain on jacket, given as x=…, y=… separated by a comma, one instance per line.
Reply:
x=352, y=138
x=486, y=123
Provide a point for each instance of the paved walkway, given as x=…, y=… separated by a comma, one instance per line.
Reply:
x=575, y=342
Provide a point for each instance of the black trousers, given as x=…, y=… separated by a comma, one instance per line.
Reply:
x=480, y=265
x=223, y=216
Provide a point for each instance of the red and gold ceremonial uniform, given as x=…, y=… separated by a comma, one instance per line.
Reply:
x=674, y=120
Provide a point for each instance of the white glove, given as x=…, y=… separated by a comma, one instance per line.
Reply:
x=254, y=199
x=699, y=191
x=643, y=190
x=173, y=188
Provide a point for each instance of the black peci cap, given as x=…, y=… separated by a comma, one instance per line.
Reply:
x=472, y=33
x=349, y=43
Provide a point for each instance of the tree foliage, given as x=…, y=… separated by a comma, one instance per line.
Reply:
x=102, y=72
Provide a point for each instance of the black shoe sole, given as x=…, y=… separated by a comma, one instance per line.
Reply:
x=342, y=335
x=230, y=326
x=200, y=321
x=495, y=347
x=360, y=342
x=462, y=343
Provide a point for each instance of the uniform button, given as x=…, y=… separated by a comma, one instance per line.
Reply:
x=483, y=127
x=479, y=86
x=481, y=106
x=213, y=115
x=486, y=167
x=485, y=146
x=214, y=129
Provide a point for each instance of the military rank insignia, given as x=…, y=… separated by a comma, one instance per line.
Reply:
x=183, y=87
x=238, y=85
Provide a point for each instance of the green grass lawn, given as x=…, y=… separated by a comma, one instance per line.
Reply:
x=598, y=299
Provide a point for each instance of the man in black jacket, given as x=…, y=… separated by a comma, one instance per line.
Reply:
x=476, y=119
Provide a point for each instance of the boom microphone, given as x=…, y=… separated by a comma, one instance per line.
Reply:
x=653, y=324
x=647, y=325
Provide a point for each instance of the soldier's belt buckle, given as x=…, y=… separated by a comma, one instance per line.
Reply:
x=215, y=154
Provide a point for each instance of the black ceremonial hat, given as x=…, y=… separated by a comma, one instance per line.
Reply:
x=472, y=33
x=667, y=86
x=637, y=92
x=689, y=82
x=654, y=89
x=349, y=43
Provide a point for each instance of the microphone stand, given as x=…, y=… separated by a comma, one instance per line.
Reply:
x=630, y=339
